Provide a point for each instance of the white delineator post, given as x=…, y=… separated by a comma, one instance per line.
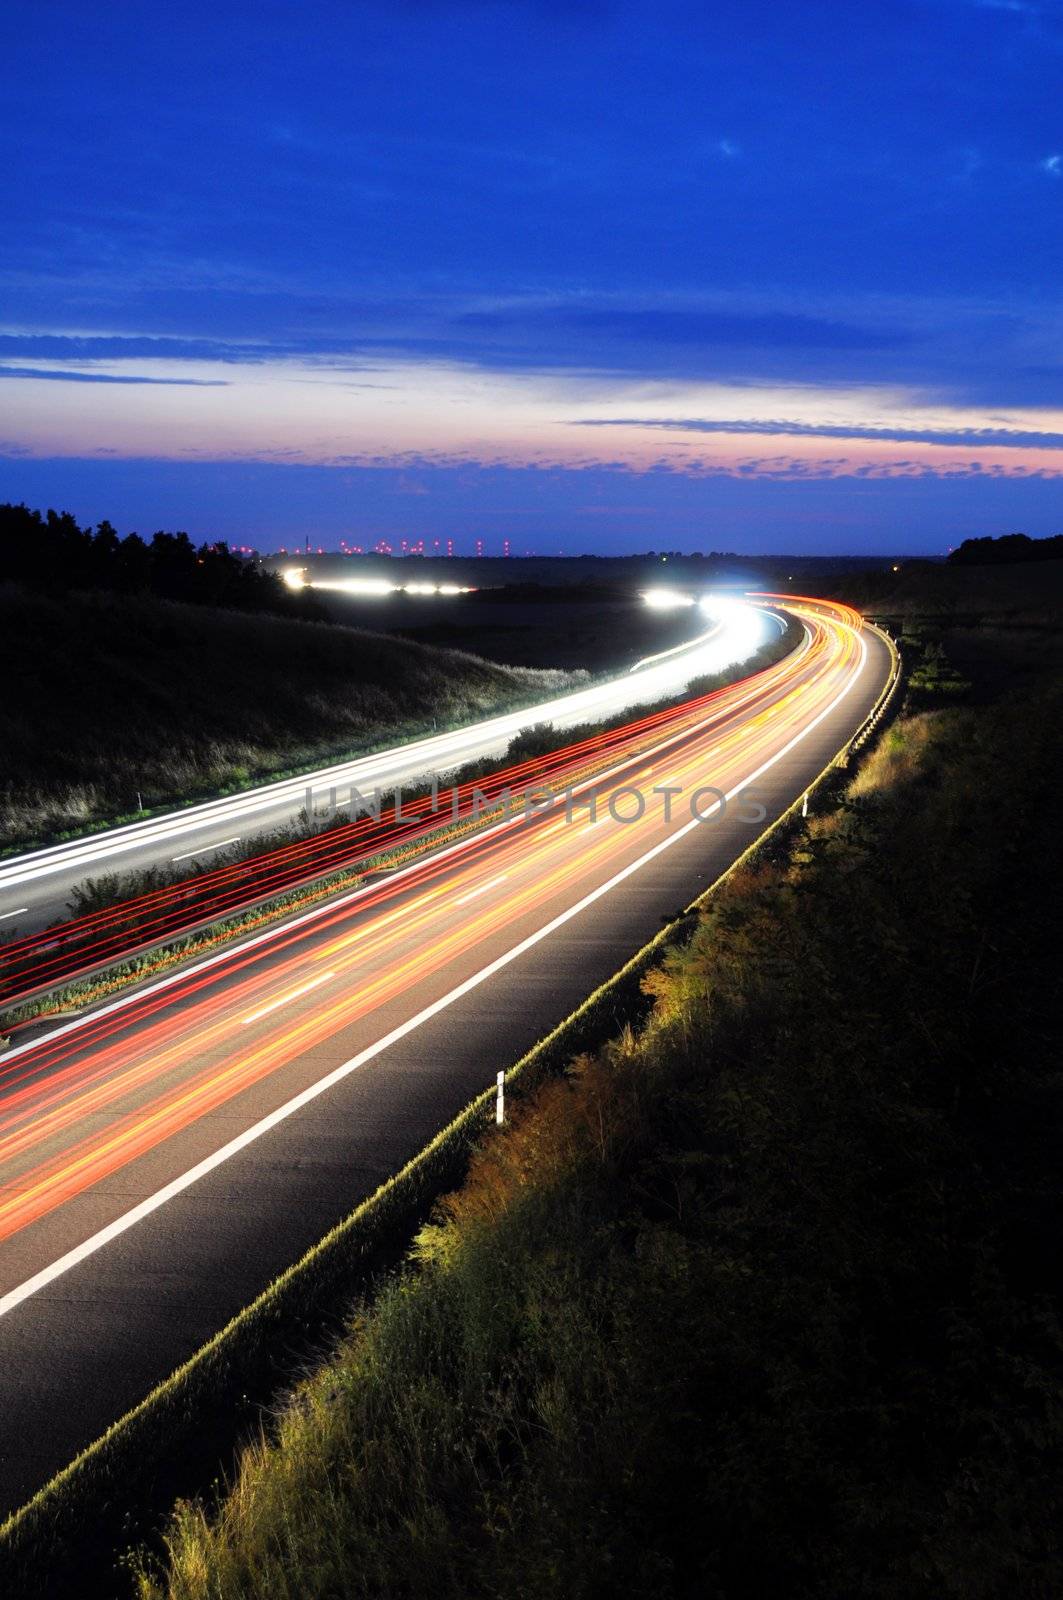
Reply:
x=500, y=1103
x=804, y=805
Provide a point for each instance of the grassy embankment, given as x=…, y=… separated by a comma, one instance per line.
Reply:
x=166, y=954
x=109, y=696
x=763, y=1297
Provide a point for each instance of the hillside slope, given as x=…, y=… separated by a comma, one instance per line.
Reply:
x=109, y=695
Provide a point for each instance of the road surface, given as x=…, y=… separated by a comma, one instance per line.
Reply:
x=164, y=1157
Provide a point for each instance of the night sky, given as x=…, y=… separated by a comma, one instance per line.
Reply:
x=590, y=276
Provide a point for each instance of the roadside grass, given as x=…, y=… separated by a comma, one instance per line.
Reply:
x=762, y=1296
x=897, y=756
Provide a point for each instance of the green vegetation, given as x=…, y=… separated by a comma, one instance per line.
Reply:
x=932, y=679
x=760, y=1299
x=114, y=701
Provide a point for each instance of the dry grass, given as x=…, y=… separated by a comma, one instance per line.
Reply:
x=898, y=757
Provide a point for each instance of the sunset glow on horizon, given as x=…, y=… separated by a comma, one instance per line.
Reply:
x=440, y=266
x=408, y=414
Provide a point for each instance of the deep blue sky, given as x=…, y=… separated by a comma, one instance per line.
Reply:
x=598, y=276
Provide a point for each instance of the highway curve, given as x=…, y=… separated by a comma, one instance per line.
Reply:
x=161, y=1159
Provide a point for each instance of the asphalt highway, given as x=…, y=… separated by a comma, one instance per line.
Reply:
x=163, y=1157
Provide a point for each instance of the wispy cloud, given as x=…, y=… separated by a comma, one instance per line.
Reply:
x=83, y=347
x=61, y=375
x=692, y=327
x=1053, y=165
x=1009, y=438
x=518, y=334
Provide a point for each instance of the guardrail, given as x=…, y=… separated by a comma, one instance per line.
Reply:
x=878, y=710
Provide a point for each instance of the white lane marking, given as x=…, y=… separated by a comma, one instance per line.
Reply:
x=206, y=850
x=482, y=889
x=316, y=912
x=283, y=999
x=129, y=1219
x=21, y=912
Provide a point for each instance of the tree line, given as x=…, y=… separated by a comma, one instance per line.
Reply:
x=51, y=551
x=1010, y=547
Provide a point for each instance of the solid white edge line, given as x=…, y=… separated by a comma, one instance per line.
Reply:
x=326, y=906
x=129, y=1219
x=18, y=913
